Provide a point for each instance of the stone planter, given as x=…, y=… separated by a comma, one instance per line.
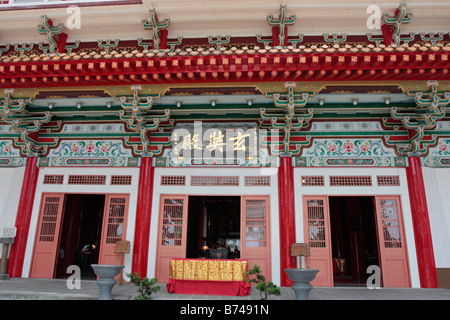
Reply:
x=302, y=279
x=106, y=281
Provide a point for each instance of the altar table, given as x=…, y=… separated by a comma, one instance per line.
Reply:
x=209, y=276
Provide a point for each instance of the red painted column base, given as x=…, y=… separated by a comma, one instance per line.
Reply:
x=23, y=218
x=421, y=225
x=143, y=217
x=286, y=213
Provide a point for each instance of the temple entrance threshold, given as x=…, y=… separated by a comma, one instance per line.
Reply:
x=354, y=239
x=213, y=227
x=347, y=234
x=80, y=234
x=78, y=230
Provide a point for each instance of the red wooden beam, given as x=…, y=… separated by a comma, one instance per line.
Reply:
x=394, y=65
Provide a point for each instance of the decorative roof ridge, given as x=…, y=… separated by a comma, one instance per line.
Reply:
x=330, y=49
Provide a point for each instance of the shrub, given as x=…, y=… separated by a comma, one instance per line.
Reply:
x=145, y=286
x=265, y=288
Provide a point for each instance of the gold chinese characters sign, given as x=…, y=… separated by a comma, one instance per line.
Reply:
x=122, y=247
x=300, y=249
x=205, y=269
x=208, y=141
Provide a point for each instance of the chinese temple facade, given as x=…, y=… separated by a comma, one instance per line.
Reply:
x=192, y=129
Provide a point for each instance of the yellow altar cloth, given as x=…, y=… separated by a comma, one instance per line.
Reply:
x=208, y=269
x=208, y=276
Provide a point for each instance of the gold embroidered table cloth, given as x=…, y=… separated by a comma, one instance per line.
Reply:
x=208, y=269
x=208, y=276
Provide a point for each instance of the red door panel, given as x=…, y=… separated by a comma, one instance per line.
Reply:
x=255, y=233
x=316, y=222
x=114, y=228
x=47, y=236
x=394, y=258
x=172, y=232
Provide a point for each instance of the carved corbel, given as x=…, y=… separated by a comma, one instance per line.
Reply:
x=158, y=28
x=430, y=107
x=10, y=105
x=280, y=24
x=27, y=125
x=138, y=117
x=414, y=146
x=392, y=28
x=291, y=116
x=57, y=39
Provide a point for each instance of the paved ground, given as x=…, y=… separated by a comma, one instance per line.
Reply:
x=40, y=289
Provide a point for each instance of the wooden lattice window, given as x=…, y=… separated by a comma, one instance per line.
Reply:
x=53, y=179
x=214, y=181
x=87, y=179
x=257, y=181
x=173, y=180
x=49, y=219
x=172, y=224
x=121, y=180
x=350, y=181
x=255, y=223
x=388, y=181
x=309, y=181
x=116, y=215
x=316, y=223
x=390, y=220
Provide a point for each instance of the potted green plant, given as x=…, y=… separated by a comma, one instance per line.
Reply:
x=145, y=286
x=265, y=287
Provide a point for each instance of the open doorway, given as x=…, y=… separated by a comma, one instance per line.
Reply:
x=80, y=234
x=354, y=238
x=214, y=224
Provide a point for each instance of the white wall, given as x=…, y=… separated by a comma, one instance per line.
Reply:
x=437, y=188
x=10, y=187
x=84, y=189
x=402, y=191
x=219, y=190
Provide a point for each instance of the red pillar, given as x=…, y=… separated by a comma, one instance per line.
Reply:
x=143, y=216
x=286, y=207
x=23, y=218
x=421, y=224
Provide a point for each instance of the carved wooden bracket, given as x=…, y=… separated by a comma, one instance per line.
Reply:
x=430, y=107
x=292, y=116
x=138, y=117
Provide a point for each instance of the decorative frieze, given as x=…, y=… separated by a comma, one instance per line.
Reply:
x=349, y=153
x=438, y=156
x=89, y=162
x=90, y=149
